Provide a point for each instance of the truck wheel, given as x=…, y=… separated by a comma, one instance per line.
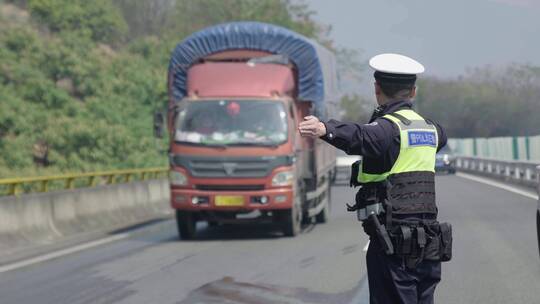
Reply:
x=324, y=215
x=292, y=220
x=186, y=225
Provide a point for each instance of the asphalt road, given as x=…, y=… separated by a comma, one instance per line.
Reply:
x=495, y=260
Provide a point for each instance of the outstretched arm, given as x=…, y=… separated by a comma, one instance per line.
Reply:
x=370, y=140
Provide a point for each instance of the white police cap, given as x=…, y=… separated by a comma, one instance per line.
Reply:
x=396, y=64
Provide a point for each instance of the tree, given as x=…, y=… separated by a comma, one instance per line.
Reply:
x=146, y=18
x=191, y=16
x=98, y=18
x=485, y=102
x=355, y=108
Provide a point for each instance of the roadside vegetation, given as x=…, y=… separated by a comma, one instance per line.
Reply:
x=485, y=102
x=79, y=80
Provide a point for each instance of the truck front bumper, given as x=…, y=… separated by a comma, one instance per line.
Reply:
x=197, y=200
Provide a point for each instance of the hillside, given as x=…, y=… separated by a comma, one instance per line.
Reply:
x=70, y=103
x=79, y=80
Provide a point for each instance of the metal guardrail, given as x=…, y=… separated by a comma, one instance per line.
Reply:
x=70, y=181
x=526, y=173
x=343, y=166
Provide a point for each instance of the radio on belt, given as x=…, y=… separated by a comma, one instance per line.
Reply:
x=364, y=213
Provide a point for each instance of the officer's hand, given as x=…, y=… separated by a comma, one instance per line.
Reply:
x=311, y=127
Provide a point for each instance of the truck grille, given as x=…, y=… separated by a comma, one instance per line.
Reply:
x=229, y=187
x=229, y=169
x=235, y=167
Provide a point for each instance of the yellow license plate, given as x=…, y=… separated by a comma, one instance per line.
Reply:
x=222, y=200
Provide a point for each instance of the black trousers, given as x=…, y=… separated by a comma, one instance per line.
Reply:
x=391, y=282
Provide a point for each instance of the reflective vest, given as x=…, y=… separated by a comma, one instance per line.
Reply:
x=418, y=146
x=407, y=193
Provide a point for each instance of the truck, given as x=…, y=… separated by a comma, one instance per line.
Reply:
x=237, y=92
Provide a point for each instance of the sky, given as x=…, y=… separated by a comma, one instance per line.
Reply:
x=447, y=36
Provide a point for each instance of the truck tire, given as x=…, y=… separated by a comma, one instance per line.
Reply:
x=186, y=224
x=324, y=215
x=291, y=220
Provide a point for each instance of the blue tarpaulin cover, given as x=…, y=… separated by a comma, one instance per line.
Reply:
x=317, y=80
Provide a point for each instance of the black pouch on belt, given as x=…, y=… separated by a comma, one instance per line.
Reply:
x=355, y=168
x=432, y=251
x=403, y=239
x=446, y=242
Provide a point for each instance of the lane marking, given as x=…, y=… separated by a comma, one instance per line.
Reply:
x=366, y=247
x=62, y=252
x=498, y=185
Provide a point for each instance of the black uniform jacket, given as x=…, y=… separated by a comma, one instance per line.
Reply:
x=378, y=141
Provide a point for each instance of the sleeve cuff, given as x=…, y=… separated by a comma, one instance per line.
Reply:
x=330, y=133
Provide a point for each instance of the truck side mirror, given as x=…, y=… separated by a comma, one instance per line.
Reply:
x=159, y=120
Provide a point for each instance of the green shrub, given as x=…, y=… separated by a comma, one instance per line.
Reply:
x=99, y=18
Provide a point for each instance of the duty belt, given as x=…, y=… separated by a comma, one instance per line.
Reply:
x=421, y=240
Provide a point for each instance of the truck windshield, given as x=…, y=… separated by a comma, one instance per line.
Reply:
x=232, y=122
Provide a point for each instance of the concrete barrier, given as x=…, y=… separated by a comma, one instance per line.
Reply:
x=43, y=218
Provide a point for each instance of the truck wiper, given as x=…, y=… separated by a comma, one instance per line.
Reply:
x=220, y=146
x=224, y=146
x=253, y=144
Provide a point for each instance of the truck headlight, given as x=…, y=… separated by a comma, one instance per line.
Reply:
x=178, y=178
x=284, y=178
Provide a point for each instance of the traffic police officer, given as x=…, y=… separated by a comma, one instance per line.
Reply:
x=396, y=201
